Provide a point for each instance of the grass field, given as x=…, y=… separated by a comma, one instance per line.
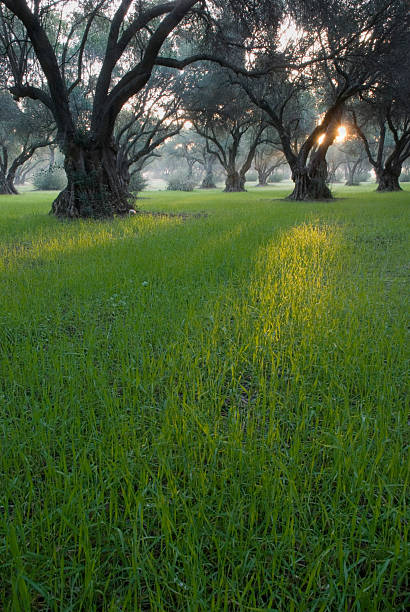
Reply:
x=206, y=413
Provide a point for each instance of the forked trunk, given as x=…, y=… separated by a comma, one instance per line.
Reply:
x=235, y=181
x=95, y=187
x=263, y=177
x=388, y=181
x=350, y=174
x=310, y=183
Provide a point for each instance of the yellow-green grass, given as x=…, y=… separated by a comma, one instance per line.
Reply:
x=205, y=413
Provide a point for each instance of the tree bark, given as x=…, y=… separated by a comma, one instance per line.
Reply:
x=235, y=182
x=310, y=183
x=6, y=186
x=388, y=180
x=263, y=177
x=95, y=187
x=208, y=181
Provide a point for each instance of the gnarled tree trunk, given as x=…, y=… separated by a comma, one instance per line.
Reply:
x=388, y=180
x=6, y=178
x=11, y=178
x=235, y=181
x=95, y=187
x=310, y=182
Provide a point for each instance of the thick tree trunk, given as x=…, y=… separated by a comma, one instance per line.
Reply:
x=95, y=186
x=310, y=183
x=263, y=177
x=208, y=181
x=7, y=186
x=123, y=170
x=235, y=181
x=388, y=180
x=11, y=178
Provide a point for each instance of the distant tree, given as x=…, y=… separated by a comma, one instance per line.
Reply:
x=382, y=118
x=233, y=141
x=186, y=156
x=334, y=164
x=386, y=139
x=22, y=132
x=25, y=172
x=352, y=41
x=231, y=128
x=267, y=160
x=209, y=160
x=354, y=160
x=183, y=156
x=142, y=129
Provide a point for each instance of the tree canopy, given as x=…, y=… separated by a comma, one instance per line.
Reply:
x=91, y=62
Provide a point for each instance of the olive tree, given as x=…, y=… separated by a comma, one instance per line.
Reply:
x=86, y=60
x=145, y=125
x=350, y=46
x=23, y=131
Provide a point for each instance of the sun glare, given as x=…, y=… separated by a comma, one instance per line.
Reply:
x=341, y=134
x=340, y=137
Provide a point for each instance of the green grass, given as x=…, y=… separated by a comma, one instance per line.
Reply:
x=206, y=414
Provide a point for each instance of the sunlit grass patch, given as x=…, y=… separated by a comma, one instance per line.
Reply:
x=208, y=414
